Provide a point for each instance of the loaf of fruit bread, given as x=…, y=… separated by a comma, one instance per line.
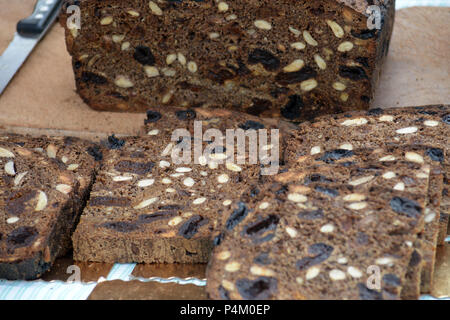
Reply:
x=287, y=59
x=38, y=208
x=146, y=206
x=319, y=238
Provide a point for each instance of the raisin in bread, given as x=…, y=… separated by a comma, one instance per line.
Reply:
x=291, y=60
x=298, y=241
x=39, y=205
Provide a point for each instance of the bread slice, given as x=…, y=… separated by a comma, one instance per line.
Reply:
x=38, y=208
x=389, y=156
x=146, y=206
x=39, y=165
x=420, y=126
x=313, y=233
x=428, y=126
x=79, y=156
x=284, y=59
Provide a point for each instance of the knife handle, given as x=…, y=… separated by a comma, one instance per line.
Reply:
x=40, y=19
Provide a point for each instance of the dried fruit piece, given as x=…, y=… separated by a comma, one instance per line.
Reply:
x=191, y=227
x=159, y=215
x=258, y=289
x=311, y=215
x=188, y=114
x=368, y=294
x=21, y=237
x=16, y=202
x=319, y=251
x=331, y=156
x=262, y=259
x=152, y=116
x=406, y=206
x=257, y=229
x=365, y=34
x=269, y=61
x=391, y=280
x=90, y=77
x=251, y=125
x=144, y=55
x=435, y=154
x=114, y=143
x=237, y=216
x=95, y=152
x=327, y=191
x=304, y=74
x=293, y=109
x=353, y=73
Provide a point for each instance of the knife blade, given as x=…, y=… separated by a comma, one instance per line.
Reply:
x=29, y=32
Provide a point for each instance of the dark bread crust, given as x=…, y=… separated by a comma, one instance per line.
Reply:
x=238, y=65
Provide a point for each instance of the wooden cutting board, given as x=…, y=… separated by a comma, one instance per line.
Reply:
x=41, y=100
x=42, y=95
